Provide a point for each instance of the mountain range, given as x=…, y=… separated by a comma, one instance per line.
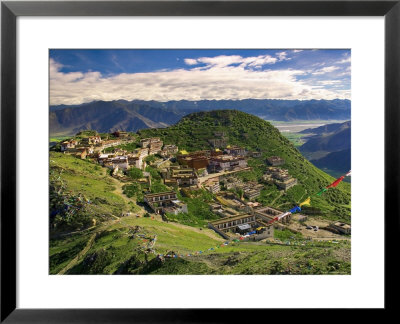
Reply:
x=106, y=116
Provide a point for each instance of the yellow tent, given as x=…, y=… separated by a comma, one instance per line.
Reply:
x=183, y=152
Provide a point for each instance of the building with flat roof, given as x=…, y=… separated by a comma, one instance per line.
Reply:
x=341, y=227
x=212, y=185
x=110, y=143
x=217, y=142
x=165, y=202
x=275, y=161
x=268, y=213
x=243, y=224
x=236, y=150
x=64, y=146
x=226, y=162
x=169, y=150
x=280, y=177
x=145, y=142
x=120, y=134
x=229, y=224
x=121, y=162
x=287, y=184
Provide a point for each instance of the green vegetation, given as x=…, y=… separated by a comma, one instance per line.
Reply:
x=120, y=249
x=133, y=190
x=158, y=186
x=245, y=130
x=85, y=189
x=286, y=235
x=89, y=236
x=55, y=139
x=296, y=138
x=135, y=173
x=199, y=213
x=129, y=147
x=86, y=133
x=150, y=158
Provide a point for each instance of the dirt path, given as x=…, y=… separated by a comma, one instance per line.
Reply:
x=119, y=190
x=80, y=255
x=280, y=195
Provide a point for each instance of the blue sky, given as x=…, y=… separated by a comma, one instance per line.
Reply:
x=78, y=76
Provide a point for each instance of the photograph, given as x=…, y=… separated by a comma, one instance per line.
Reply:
x=199, y=161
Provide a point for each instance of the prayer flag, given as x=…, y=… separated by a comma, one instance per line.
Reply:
x=336, y=182
x=321, y=192
x=306, y=202
x=295, y=209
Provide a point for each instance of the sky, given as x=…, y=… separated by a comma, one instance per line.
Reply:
x=81, y=76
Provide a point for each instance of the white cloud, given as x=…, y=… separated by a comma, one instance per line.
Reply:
x=223, y=77
x=345, y=60
x=282, y=56
x=190, y=61
x=228, y=60
x=331, y=82
x=324, y=70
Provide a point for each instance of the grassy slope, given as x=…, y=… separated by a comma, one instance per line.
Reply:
x=113, y=248
x=93, y=181
x=114, y=251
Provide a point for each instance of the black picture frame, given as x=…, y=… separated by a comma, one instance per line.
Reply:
x=10, y=10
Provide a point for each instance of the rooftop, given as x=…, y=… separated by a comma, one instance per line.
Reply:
x=230, y=218
x=160, y=194
x=343, y=225
x=244, y=226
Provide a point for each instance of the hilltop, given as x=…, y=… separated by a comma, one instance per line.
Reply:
x=253, y=133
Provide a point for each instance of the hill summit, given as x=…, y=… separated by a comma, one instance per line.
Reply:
x=198, y=130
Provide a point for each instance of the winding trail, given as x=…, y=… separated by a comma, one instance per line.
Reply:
x=280, y=195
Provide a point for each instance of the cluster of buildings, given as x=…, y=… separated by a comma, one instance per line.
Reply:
x=181, y=176
x=87, y=146
x=231, y=158
x=122, y=160
x=255, y=223
x=280, y=177
x=206, y=168
x=169, y=151
x=153, y=144
x=251, y=189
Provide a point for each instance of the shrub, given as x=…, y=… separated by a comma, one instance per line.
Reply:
x=135, y=173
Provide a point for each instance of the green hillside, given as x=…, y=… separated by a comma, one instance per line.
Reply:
x=249, y=131
x=90, y=232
